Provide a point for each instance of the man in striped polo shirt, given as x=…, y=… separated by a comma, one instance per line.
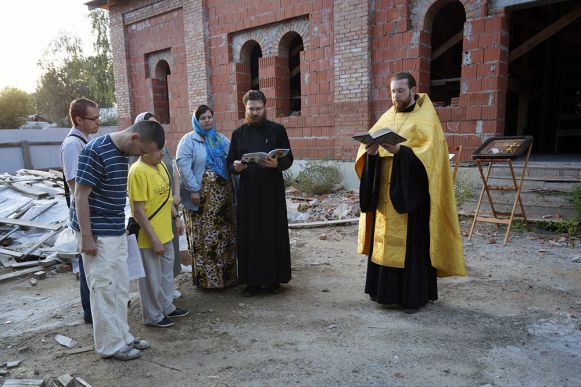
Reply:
x=100, y=196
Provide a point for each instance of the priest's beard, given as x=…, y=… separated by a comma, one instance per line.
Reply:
x=402, y=105
x=255, y=120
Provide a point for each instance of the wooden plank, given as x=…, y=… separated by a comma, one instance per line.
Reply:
x=11, y=253
x=447, y=45
x=28, y=190
x=324, y=223
x=19, y=273
x=23, y=383
x=20, y=265
x=30, y=223
x=40, y=242
x=35, y=172
x=544, y=34
x=492, y=220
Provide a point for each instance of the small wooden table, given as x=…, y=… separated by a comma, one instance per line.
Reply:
x=486, y=158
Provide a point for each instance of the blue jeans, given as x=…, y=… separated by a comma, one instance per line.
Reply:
x=85, y=294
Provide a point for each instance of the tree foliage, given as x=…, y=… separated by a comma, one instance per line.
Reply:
x=68, y=73
x=15, y=105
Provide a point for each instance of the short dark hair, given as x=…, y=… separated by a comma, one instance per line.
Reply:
x=149, y=131
x=254, y=95
x=148, y=115
x=78, y=108
x=403, y=75
x=201, y=110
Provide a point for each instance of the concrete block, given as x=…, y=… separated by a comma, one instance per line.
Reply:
x=66, y=380
x=39, y=275
x=13, y=364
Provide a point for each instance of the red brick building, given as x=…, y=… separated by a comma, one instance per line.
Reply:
x=493, y=67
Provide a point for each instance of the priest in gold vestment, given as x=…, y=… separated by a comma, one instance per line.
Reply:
x=409, y=226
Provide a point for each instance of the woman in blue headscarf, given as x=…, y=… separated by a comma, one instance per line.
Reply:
x=206, y=193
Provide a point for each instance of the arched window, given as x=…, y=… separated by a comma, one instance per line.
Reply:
x=294, y=70
x=247, y=74
x=254, y=76
x=161, y=92
x=446, y=64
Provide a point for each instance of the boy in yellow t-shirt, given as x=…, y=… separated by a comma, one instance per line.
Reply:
x=152, y=206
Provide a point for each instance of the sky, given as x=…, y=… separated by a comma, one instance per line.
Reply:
x=26, y=29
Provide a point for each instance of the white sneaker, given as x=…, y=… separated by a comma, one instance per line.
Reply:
x=176, y=293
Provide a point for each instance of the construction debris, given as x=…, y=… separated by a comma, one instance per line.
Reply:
x=12, y=364
x=32, y=215
x=341, y=205
x=23, y=383
x=82, y=382
x=66, y=380
x=66, y=341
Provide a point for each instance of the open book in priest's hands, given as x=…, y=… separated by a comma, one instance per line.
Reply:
x=380, y=137
x=255, y=157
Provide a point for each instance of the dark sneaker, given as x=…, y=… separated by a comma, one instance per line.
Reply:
x=178, y=313
x=163, y=323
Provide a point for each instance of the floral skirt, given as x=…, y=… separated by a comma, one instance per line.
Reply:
x=211, y=233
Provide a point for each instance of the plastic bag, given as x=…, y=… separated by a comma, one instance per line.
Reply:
x=66, y=242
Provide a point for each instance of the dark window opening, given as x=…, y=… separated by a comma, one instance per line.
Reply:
x=446, y=65
x=294, y=68
x=254, y=76
x=544, y=79
x=161, y=92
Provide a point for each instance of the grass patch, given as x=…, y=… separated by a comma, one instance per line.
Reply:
x=466, y=186
x=318, y=178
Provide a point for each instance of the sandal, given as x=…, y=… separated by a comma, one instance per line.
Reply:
x=139, y=344
x=126, y=353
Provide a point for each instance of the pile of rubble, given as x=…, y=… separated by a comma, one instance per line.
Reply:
x=340, y=205
x=33, y=215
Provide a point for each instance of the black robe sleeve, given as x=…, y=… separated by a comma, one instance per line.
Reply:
x=232, y=153
x=285, y=162
x=369, y=184
x=409, y=182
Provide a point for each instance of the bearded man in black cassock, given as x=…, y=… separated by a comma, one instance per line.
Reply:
x=262, y=226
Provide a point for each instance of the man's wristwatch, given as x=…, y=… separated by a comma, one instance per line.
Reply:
x=177, y=216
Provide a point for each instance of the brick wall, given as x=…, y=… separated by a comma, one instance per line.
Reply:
x=145, y=31
x=401, y=41
x=351, y=48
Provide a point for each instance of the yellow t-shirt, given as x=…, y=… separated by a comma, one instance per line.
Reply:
x=149, y=185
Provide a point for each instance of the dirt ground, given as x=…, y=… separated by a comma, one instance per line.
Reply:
x=514, y=320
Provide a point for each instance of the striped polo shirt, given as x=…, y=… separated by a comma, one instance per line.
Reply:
x=104, y=167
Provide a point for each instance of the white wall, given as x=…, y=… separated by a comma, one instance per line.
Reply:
x=42, y=157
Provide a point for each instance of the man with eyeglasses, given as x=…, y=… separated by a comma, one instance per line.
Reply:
x=84, y=116
x=262, y=226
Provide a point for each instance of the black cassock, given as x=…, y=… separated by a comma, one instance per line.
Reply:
x=263, y=241
x=415, y=284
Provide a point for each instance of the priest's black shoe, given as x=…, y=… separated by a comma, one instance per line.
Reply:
x=250, y=291
x=275, y=288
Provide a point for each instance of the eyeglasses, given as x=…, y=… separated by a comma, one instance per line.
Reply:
x=91, y=118
x=252, y=110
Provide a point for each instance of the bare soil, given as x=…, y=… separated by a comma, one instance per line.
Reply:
x=514, y=320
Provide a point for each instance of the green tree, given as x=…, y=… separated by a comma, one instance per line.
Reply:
x=15, y=105
x=69, y=74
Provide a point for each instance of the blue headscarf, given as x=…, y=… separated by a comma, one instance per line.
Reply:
x=216, y=148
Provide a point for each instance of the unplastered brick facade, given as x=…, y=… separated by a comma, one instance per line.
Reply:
x=202, y=50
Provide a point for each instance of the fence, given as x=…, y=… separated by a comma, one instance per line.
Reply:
x=34, y=148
